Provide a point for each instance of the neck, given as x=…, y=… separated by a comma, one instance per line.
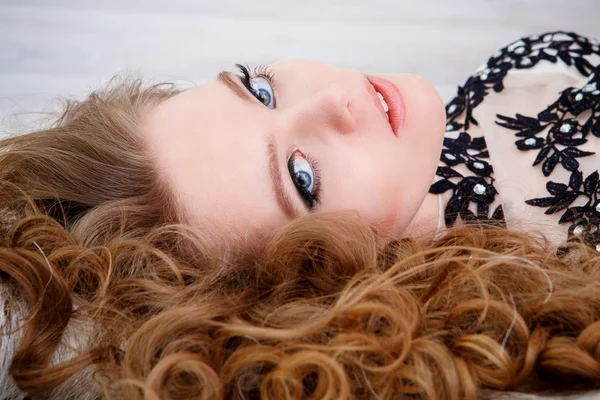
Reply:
x=428, y=219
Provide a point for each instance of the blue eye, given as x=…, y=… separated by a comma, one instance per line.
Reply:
x=260, y=84
x=263, y=91
x=305, y=175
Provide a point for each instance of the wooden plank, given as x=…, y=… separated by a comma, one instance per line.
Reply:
x=61, y=47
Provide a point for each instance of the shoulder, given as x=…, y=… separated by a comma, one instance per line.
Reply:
x=567, y=51
x=562, y=52
x=532, y=108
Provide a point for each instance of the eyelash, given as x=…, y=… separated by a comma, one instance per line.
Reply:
x=262, y=71
x=311, y=199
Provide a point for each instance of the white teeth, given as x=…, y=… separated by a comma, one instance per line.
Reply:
x=383, y=103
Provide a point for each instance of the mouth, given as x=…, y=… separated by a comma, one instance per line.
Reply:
x=391, y=101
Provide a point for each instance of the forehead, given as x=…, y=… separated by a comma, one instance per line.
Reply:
x=211, y=148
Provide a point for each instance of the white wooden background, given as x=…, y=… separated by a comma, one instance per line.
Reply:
x=52, y=48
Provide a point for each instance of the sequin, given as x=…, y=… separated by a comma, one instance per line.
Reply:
x=565, y=128
x=479, y=189
x=578, y=230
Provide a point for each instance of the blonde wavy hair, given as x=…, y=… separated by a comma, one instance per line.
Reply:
x=93, y=248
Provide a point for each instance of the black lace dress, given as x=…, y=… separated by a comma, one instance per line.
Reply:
x=522, y=139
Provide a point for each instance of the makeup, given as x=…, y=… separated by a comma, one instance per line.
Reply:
x=393, y=98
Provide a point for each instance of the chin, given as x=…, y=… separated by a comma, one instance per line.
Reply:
x=436, y=107
x=425, y=110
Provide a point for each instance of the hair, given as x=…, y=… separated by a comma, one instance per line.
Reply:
x=121, y=299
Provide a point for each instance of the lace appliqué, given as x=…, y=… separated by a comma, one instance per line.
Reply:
x=560, y=148
x=478, y=189
x=570, y=49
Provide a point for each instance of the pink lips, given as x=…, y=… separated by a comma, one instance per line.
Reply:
x=393, y=98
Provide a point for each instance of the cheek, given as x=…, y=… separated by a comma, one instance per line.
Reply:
x=362, y=183
x=381, y=183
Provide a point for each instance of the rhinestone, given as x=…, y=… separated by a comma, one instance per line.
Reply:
x=565, y=128
x=578, y=230
x=452, y=108
x=579, y=97
x=449, y=128
x=450, y=157
x=598, y=248
x=596, y=92
x=484, y=77
x=547, y=38
x=479, y=189
x=589, y=88
x=530, y=141
x=478, y=165
x=520, y=50
x=514, y=45
x=598, y=207
x=526, y=61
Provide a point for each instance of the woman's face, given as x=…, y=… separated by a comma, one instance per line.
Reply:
x=303, y=137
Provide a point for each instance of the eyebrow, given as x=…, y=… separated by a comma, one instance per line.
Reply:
x=229, y=79
x=284, y=201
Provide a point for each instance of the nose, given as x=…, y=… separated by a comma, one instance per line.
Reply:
x=326, y=109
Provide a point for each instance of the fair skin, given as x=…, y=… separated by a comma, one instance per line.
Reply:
x=227, y=154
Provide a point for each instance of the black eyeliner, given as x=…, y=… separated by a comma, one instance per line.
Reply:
x=311, y=199
x=245, y=77
x=261, y=71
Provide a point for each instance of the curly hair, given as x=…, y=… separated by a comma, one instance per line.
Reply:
x=112, y=295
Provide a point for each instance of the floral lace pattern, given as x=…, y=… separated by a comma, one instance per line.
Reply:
x=559, y=147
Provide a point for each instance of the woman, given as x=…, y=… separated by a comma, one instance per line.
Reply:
x=203, y=243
